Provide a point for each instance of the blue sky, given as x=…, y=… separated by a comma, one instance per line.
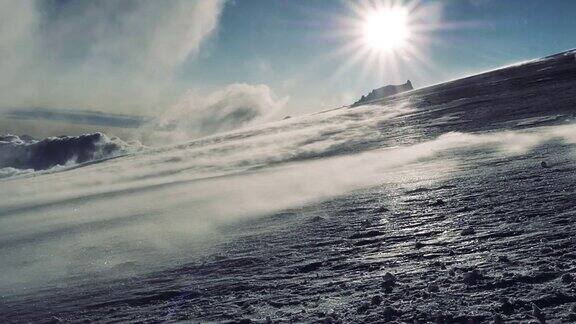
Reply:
x=143, y=56
x=273, y=42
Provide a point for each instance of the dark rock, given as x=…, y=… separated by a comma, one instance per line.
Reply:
x=313, y=266
x=567, y=278
x=389, y=279
x=471, y=277
x=316, y=219
x=538, y=314
x=544, y=165
x=376, y=300
x=389, y=312
x=433, y=288
x=389, y=282
x=438, y=202
x=382, y=93
x=503, y=258
x=498, y=319
x=506, y=307
x=363, y=308
x=468, y=231
x=381, y=209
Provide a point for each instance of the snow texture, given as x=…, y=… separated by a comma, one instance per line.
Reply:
x=433, y=207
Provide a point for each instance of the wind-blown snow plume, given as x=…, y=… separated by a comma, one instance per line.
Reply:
x=233, y=107
x=115, y=205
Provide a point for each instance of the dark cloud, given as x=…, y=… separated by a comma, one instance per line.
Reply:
x=24, y=152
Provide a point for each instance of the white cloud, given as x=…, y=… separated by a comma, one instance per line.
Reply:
x=97, y=55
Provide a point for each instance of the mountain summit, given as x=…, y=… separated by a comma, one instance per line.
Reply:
x=383, y=92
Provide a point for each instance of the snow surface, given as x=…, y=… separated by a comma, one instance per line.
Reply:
x=433, y=207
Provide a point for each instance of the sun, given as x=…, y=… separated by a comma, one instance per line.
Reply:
x=387, y=40
x=386, y=29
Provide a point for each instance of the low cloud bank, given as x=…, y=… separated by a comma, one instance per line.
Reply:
x=235, y=106
x=24, y=152
x=196, y=115
x=77, y=117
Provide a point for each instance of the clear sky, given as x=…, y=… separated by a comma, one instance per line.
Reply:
x=289, y=46
x=143, y=56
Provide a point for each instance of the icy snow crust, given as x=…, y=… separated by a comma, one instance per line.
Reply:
x=435, y=207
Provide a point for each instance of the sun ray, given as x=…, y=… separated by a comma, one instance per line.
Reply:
x=386, y=40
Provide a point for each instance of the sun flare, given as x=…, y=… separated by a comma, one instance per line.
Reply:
x=388, y=40
x=386, y=29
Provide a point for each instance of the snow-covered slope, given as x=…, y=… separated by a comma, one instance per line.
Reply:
x=302, y=219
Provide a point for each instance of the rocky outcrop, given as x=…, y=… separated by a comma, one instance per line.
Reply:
x=381, y=93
